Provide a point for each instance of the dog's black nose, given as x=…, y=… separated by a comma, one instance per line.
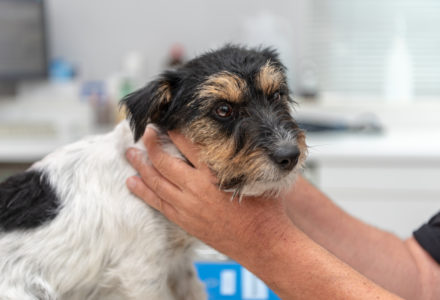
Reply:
x=286, y=156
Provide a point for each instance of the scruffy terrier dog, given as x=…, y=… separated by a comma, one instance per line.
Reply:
x=69, y=227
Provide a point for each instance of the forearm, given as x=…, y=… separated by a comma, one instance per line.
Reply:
x=297, y=268
x=378, y=255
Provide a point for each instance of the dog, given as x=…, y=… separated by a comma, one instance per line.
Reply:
x=69, y=227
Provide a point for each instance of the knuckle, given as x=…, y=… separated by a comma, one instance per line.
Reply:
x=144, y=172
x=189, y=184
x=161, y=161
x=155, y=184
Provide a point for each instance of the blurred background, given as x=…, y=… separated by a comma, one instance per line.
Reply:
x=365, y=76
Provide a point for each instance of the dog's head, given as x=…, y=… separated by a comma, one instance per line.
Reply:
x=234, y=104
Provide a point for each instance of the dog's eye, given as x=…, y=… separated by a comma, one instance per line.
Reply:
x=276, y=96
x=224, y=110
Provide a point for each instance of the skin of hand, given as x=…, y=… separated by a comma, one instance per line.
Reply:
x=257, y=232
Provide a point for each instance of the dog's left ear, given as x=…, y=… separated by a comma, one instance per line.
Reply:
x=150, y=103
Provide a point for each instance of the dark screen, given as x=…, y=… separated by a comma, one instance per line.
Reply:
x=22, y=39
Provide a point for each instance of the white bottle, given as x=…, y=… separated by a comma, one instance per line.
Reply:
x=398, y=73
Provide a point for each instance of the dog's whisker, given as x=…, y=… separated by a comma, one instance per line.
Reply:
x=240, y=198
x=237, y=193
x=234, y=194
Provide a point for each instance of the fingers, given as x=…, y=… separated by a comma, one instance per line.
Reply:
x=173, y=169
x=150, y=176
x=188, y=149
x=192, y=153
x=138, y=188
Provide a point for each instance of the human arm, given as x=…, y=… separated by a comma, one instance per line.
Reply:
x=256, y=232
x=400, y=266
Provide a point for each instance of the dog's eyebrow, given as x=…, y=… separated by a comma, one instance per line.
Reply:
x=223, y=85
x=270, y=78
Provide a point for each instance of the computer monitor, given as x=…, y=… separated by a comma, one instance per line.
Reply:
x=23, y=45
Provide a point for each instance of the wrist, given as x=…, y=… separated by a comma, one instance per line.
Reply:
x=270, y=239
x=297, y=268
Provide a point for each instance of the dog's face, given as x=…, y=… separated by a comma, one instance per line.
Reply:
x=234, y=104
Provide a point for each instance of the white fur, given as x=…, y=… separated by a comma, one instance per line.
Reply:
x=105, y=243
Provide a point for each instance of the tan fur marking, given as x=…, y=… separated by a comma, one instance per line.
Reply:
x=270, y=78
x=163, y=95
x=164, y=92
x=223, y=85
x=302, y=146
x=217, y=151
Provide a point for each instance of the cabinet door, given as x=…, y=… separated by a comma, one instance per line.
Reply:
x=394, y=198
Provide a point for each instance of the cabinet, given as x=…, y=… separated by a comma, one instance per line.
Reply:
x=392, y=185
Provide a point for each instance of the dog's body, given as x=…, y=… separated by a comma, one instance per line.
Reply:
x=70, y=229
x=104, y=242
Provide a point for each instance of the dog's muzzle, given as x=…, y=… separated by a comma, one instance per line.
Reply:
x=286, y=156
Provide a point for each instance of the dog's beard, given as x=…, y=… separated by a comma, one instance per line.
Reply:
x=263, y=187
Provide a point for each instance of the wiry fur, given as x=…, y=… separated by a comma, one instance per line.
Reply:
x=104, y=242
x=101, y=242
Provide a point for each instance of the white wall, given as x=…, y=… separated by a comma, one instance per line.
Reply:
x=96, y=34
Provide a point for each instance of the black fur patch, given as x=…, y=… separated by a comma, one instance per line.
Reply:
x=27, y=200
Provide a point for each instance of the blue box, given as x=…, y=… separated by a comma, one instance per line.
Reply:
x=230, y=281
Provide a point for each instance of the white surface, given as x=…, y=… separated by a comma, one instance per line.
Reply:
x=25, y=150
x=42, y=118
x=405, y=146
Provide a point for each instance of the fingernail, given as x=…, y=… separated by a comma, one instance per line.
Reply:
x=152, y=127
x=149, y=131
x=131, y=182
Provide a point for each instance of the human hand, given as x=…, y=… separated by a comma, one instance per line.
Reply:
x=256, y=232
x=189, y=197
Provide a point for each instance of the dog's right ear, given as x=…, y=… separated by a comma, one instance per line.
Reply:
x=150, y=103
